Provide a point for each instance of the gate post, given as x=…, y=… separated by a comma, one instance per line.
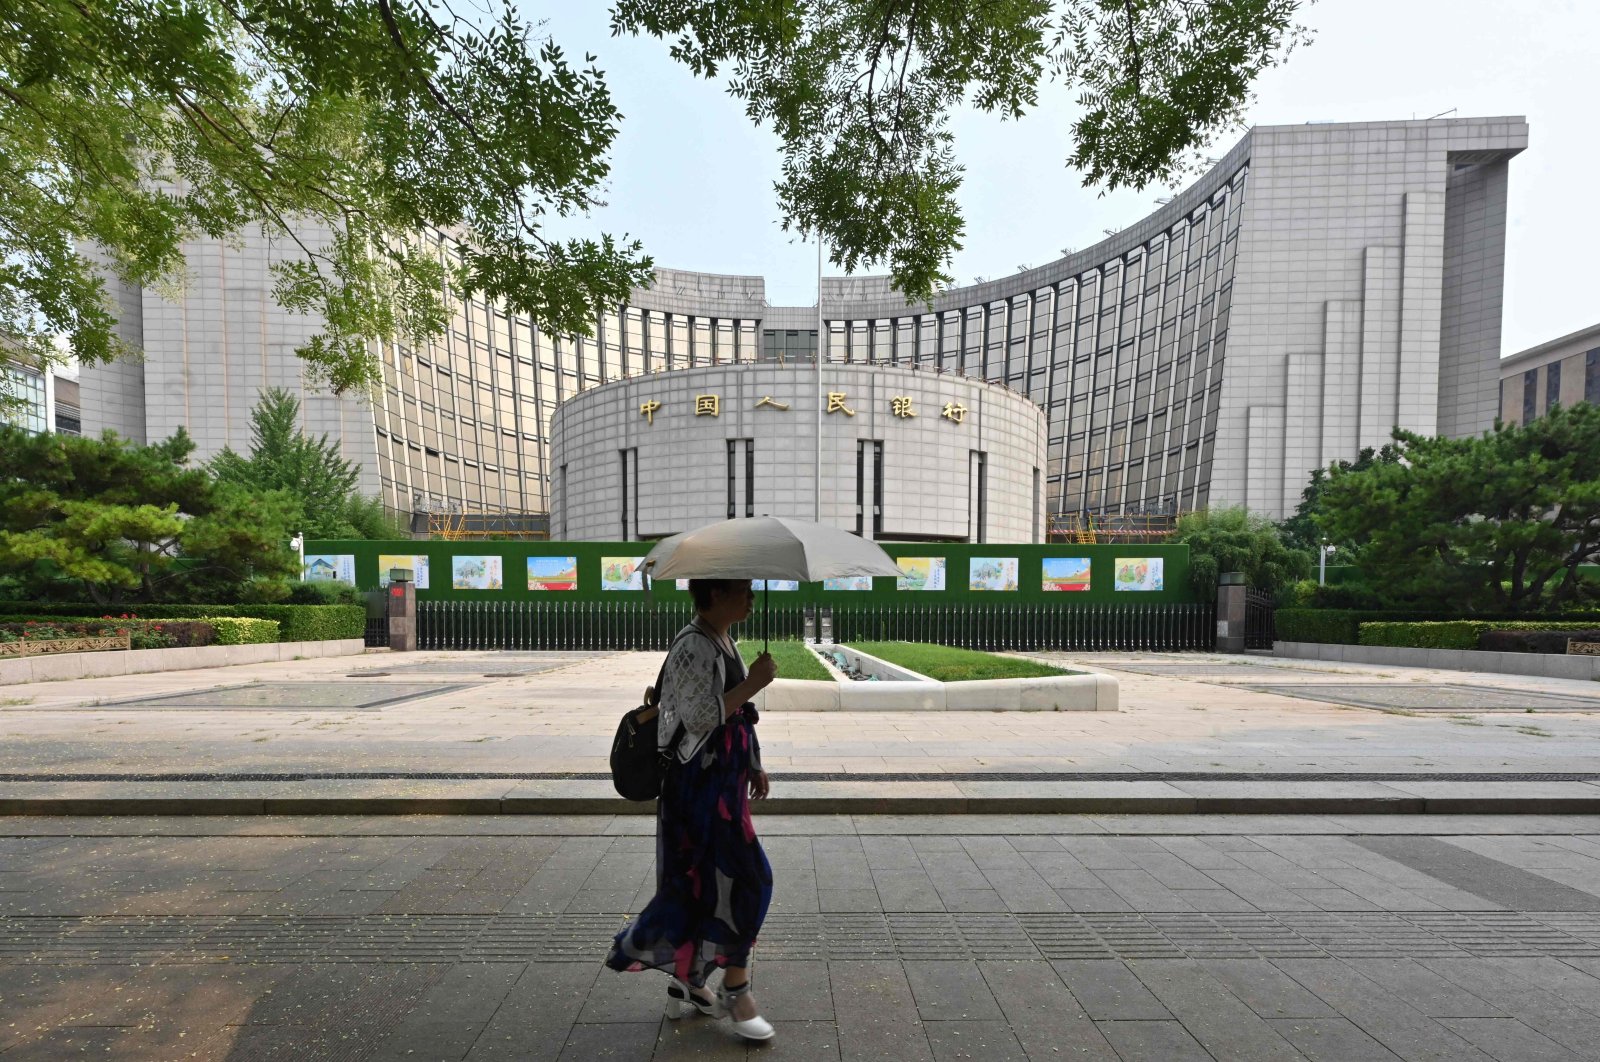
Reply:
x=402, y=611
x=1231, y=608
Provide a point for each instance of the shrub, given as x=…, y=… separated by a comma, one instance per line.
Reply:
x=1335, y=626
x=142, y=633
x=1520, y=636
x=296, y=623
x=325, y=592
x=1450, y=634
x=238, y=630
x=1547, y=638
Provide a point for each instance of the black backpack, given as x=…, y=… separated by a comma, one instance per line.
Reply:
x=638, y=767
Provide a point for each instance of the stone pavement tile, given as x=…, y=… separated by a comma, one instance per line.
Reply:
x=72, y=1041
x=34, y=1000
x=988, y=1041
x=1508, y=1040
x=1210, y=1013
x=908, y=889
x=561, y=876
x=983, y=825
x=971, y=900
x=1402, y=1029
x=1108, y=990
x=801, y=1041
x=535, y=1016
x=1331, y=1040
x=1265, y=989
x=1097, y=853
x=448, y=1020
x=615, y=1042
x=1012, y=875
x=953, y=870
x=1547, y=1012
x=1148, y=1040
x=840, y=864
x=794, y=990
x=1214, y=900
x=951, y=991
x=1092, y=900
x=1044, y=1016
x=839, y=901
x=876, y=1013
x=890, y=853
x=625, y=997
x=1553, y=975
x=1061, y=870
x=1425, y=991
x=1259, y=891
x=1142, y=891
x=698, y=1037
x=1336, y=900
x=1362, y=883
x=1034, y=844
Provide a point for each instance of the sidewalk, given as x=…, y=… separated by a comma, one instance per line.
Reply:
x=1135, y=940
x=487, y=733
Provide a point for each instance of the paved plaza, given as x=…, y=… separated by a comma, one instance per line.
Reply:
x=529, y=733
x=973, y=937
x=326, y=924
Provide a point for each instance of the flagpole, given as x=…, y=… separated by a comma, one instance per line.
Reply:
x=816, y=479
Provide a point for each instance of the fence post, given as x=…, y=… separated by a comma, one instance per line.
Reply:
x=1231, y=606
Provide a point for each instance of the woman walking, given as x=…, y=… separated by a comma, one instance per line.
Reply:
x=713, y=881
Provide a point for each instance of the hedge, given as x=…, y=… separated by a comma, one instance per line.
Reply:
x=144, y=633
x=1544, y=640
x=238, y=630
x=296, y=623
x=1340, y=626
x=1455, y=634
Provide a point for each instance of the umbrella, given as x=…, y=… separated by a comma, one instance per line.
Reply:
x=767, y=548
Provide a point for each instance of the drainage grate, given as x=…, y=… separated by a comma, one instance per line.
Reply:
x=427, y=939
x=1426, y=697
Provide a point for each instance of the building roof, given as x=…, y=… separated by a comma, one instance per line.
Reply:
x=1573, y=339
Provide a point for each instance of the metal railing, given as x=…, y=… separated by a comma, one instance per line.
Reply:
x=591, y=625
x=377, y=634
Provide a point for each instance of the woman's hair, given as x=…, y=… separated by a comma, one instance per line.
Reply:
x=704, y=591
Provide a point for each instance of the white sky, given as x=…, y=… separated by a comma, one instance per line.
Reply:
x=693, y=178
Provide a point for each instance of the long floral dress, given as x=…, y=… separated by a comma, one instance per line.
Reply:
x=713, y=881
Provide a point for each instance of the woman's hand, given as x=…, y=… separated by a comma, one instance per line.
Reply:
x=763, y=670
x=759, y=785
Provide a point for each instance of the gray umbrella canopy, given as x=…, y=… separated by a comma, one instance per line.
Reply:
x=767, y=547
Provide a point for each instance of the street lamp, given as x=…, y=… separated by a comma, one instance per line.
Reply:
x=298, y=544
x=1322, y=563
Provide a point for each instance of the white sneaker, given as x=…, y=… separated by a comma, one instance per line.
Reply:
x=756, y=1028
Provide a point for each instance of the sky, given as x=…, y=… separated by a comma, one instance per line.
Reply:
x=693, y=178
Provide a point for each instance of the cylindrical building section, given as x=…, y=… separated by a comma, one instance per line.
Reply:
x=907, y=454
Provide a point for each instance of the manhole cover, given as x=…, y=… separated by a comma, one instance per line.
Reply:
x=1424, y=697
x=288, y=697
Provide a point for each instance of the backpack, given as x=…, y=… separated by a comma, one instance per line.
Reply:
x=638, y=766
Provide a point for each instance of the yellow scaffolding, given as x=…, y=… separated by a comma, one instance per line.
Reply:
x=1092, y=528
x=469, y=525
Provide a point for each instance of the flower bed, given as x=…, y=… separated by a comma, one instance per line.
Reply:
x=140, y=633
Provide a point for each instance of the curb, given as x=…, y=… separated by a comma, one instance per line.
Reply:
x=821, y=805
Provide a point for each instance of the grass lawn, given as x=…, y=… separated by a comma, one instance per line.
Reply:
x=794, y=659
x=945, y=664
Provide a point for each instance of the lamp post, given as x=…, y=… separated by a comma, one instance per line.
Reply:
x=1322, y=563
x=298, y=544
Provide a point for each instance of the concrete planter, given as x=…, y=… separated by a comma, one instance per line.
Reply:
x=1542, y=665
x=145, y=661
x=907, y=691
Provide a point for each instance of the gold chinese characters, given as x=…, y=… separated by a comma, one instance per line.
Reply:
x=900, y=406
x=836, y=404
x=954, y=411
x=708, y=405
x=770, y=401
x=647, y=410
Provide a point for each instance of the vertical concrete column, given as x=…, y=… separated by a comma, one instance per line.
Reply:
x=402, y=612
x=1230, y=612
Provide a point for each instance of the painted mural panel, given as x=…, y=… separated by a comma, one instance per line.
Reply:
x=848, y=582
x=552, y=573
x=329, y=568
x=418, y=563
x=621, y=573
x=1067, y=574
x=1140, y=573
x=476, y=573
x=992, y=573
x=921, y=573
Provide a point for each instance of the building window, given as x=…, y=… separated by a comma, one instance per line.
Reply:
x=1530, y=388
x=1591, y=376
x=980, y=496
x=1552, y=386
